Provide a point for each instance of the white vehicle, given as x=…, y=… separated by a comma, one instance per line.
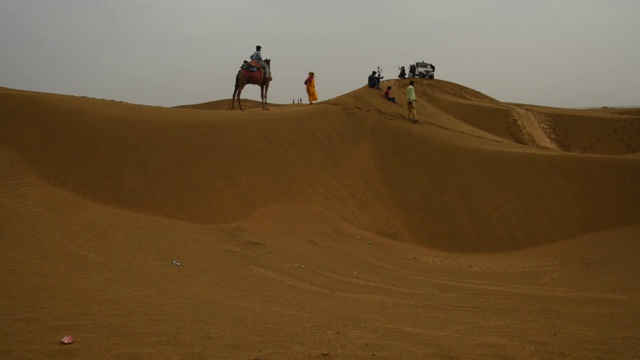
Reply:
x=425, y=70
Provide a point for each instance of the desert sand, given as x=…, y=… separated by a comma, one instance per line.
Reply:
x=340, y=230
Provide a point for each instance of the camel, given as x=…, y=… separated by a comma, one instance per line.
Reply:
x=245, y=77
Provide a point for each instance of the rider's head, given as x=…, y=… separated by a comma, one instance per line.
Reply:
x=258, y=48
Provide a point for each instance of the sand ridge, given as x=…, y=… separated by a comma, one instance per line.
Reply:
x=337, y=230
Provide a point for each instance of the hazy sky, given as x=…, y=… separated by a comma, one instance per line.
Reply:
x=566, y=53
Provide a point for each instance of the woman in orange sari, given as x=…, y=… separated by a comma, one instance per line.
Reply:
x=311, y=87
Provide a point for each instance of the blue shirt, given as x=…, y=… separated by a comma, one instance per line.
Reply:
x=256, y=56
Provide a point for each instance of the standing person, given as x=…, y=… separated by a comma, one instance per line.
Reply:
x=311, y=87
x=411, y=103
x=403, y=73
x=257, y=56
x=380, y=77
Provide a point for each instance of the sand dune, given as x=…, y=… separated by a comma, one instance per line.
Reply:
x=489, y=230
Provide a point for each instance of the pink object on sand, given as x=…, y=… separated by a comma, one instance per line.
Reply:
x=68, y=339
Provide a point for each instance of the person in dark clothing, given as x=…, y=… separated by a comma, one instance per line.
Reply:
x=374, y=81
x=403, y=73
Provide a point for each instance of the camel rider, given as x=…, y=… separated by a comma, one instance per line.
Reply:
x=257, y=56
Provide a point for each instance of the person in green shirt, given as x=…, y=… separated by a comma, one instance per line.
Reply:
x=411, y=103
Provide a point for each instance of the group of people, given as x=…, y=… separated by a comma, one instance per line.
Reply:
x=410, y=92
x=413, y=71
x=373, y=82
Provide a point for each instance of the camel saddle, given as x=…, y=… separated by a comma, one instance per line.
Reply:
x=251, y=66
x=252, y=71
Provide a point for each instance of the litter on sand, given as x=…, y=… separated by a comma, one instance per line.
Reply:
x=175, y=262
x=67, y=339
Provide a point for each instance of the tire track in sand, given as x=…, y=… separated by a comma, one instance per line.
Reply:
x=532, y=129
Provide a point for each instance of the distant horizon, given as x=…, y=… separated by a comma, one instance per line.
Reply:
x=304, y=101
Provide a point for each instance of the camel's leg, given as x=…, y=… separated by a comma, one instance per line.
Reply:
x=237, y=91
x=233, y=98
x=239, y=103
x=266, y=91
x=236, y=88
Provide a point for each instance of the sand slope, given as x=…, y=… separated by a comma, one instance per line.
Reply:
x=490, y=230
